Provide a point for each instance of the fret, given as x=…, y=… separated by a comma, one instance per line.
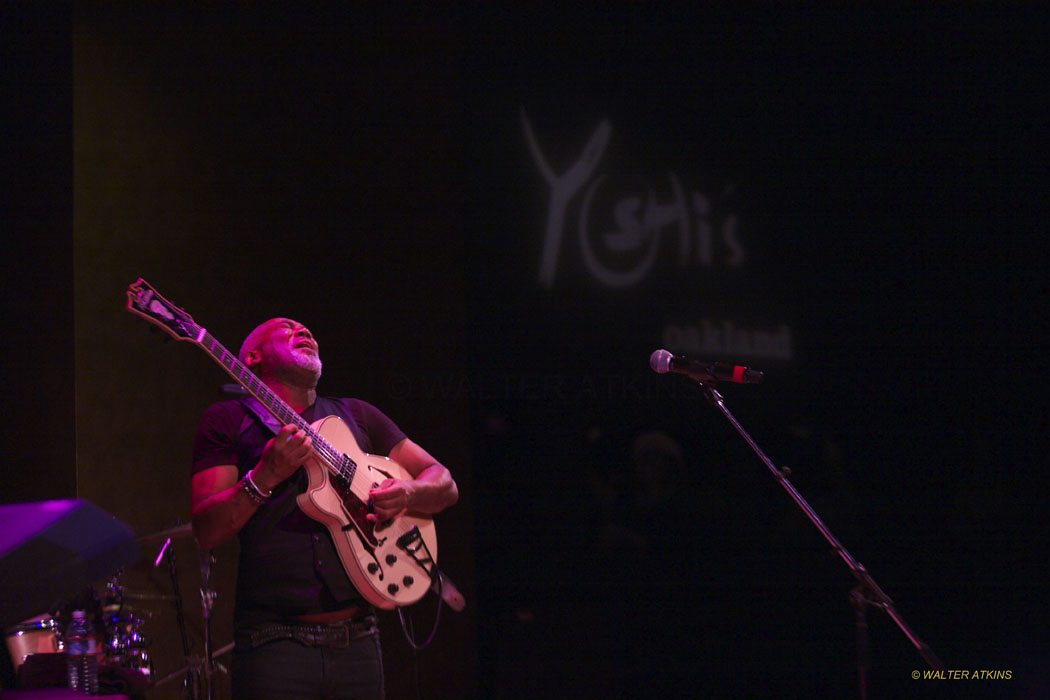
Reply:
x=143, y=300
x=335, y=460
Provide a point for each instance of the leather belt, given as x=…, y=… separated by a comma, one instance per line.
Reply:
x=336, y=636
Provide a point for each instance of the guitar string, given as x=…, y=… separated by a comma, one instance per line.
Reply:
x=335, y=460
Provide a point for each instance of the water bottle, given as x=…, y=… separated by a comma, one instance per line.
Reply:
x=81, y=655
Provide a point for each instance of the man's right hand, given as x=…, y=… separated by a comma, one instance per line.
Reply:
x=282, y=456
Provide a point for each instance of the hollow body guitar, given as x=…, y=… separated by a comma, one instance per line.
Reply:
x=389, y=563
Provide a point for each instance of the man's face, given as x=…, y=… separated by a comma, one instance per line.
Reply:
x=282, y=344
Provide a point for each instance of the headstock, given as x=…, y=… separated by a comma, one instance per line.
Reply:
x=144, y=301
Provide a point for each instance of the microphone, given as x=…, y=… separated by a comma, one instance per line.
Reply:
x=663, y=362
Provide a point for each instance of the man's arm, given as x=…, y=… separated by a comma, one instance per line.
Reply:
x=220, y=508
x=431, y=490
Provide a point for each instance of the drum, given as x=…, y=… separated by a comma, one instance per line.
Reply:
x=126, y=646
x=36, y=636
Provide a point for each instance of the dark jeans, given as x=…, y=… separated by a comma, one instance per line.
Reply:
x=285, y=669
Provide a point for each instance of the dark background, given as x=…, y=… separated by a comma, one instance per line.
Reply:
x=366, y=171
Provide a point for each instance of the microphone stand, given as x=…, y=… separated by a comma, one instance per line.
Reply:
x=867, y=592
x=191, y=675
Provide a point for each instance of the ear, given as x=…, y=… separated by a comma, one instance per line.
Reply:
x=252, y=358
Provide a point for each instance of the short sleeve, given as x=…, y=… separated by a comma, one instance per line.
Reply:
x=217, y=437
x=381, y=430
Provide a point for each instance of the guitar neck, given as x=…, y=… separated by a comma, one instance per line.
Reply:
x=265, y=395
x=144, y=301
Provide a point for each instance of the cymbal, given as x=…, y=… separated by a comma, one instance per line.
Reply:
x=139, y=595
x=177, y=532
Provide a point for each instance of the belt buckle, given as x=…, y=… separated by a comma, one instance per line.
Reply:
x=341, y=638
x=332, y=636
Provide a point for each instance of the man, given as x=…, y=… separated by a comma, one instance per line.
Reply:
x=302, y=630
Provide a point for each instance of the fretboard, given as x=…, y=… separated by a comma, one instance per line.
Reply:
x=335, y=460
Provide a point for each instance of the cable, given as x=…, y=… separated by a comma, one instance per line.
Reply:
x=437, y=618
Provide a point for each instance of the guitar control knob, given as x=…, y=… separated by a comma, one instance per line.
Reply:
x=408, y=581
x=373, y=567
x=392, y=588
x=390, y=559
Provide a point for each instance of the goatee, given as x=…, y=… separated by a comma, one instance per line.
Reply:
x=309, y=362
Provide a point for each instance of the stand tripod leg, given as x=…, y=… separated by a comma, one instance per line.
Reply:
x=863, y=656
x=207, y=601
x=867, y=592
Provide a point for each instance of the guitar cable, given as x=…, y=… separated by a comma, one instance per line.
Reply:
x=409, y=631
x=408, y=628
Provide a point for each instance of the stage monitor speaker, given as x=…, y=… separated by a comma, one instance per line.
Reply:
x=53, y=549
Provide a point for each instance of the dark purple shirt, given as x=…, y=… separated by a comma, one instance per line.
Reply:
x=288, y=565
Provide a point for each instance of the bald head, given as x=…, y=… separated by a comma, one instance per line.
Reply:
x=259, y=335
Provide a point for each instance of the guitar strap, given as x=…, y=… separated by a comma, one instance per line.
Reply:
x=260, y=411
